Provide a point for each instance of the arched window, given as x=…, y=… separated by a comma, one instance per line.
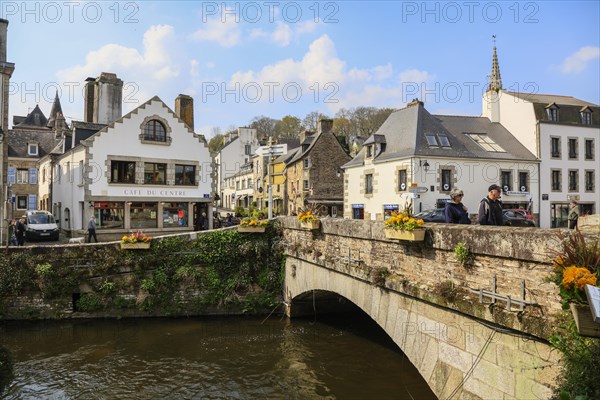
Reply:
x=155, y=131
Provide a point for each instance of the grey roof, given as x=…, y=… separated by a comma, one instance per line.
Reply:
x=569, y=108
x=54, y=111
x=18, y=139
x=292, y=143
x=81, y=131
x=552, y=98
x=405, y=130
x=291, y=154
x=35, y=119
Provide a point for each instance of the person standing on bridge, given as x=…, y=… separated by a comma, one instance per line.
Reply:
x=456, y=212
x=573, y=214
x=490, y=208
x=92, y=229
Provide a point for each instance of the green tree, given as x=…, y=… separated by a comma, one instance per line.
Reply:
x=265, y=126
x=288, y=127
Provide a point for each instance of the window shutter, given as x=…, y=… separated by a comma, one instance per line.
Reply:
x=33, y=176
x=12, y=176
x=32, y=202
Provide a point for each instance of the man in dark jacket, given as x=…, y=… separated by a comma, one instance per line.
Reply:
x=490, y=208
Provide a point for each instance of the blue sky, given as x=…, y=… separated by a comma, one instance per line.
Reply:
x=243, y=59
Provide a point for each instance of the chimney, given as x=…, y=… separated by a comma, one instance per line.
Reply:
x=304, y=134
x=184, y=109
x=103, y=98
x=3, y=39
x=325, y=125
x=415, y=102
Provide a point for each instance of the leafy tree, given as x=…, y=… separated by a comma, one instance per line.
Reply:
x=311, y=121
x=288, y=127
x=215, y=144
x=264, y=126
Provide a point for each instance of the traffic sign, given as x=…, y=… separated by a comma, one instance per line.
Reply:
x=417, y=189
x=409, y=196
x=273, y=150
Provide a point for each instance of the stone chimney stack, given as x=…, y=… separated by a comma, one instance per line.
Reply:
x=103, y=99
x=325, y=125
x=3, y=39
x=184, y=109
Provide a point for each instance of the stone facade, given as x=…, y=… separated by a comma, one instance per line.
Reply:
x=313, y=176
x=427, y=304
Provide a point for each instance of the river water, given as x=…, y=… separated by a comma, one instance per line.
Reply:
x=336, y=357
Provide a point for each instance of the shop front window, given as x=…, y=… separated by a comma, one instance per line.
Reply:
x=175, y=215
x=143, y=215
x=109, y=215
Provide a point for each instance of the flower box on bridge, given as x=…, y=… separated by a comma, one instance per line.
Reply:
x=135, y=246
x=584, y=320
x=251, y=229
x=311, y=225
x=416, y=235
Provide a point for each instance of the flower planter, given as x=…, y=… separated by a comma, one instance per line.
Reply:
x=311, y=225
x=135, y=246
x=251, y=229
x=584, y=321
x=416, y=235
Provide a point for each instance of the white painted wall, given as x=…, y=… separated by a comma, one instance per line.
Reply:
x=473, y=176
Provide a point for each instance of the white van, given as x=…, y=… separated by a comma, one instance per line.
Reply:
x=40, y=225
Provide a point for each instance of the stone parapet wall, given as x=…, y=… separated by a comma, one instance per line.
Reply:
x=429, y=270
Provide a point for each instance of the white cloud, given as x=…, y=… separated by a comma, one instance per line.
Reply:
x=226, y=33
x=577, y=61
x=282, y=34
x=321, y=69
x=143, y=71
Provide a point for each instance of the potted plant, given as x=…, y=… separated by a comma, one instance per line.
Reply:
x=253, y=225
x=309, y=219
x=576, y=265
x=404, y=226
x=136, y=240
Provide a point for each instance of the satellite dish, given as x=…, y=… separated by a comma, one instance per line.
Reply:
x=523, y=189
x=403, y=186
x=446, y=186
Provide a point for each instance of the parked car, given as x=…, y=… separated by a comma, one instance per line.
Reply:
x=516, y=218
x=433, y=215
x=40, y=225
x=524, y=213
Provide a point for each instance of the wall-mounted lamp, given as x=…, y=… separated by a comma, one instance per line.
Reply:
x=91, y=204
x=339, y=172
x=425, y=165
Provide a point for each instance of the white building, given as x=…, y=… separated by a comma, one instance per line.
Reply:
x=237, y=151
x=564, y=134
x=146, y=170
x=437, y=154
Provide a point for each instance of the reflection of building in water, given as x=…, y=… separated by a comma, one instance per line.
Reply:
x=146, y=170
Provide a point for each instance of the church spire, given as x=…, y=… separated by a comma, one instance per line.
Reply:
x=56, y=109
x=495, y=79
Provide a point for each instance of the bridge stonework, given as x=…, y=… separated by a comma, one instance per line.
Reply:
x=421, y=296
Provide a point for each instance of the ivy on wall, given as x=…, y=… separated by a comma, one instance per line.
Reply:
x=222, y=270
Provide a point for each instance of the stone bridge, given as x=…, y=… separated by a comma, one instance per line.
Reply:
x=440, y=313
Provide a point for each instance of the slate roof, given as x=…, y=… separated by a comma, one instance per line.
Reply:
x=569, y=108
x=54, y=111
x=35, y=119
x=18, y=139
x=404, y=135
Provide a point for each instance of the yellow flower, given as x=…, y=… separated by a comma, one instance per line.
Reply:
x=577, y=277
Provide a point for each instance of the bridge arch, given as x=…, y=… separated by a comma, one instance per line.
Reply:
x=458, y=356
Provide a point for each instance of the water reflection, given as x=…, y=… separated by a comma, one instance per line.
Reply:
x=214, y=358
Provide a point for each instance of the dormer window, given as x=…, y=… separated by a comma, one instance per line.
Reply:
x=32, y=149
x=552, y=112
x=586, y=116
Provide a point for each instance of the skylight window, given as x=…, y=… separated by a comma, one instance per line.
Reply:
x=431, y=140
x=436, y=140
x=486, y=143
x=444, y=140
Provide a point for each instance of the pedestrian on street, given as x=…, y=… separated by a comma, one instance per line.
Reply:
x=490, y=208
x=20, y=231
x=456, y=212
x=573, y=214
x=92, y=229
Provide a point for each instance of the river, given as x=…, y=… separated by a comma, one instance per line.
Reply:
x=333, y=357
